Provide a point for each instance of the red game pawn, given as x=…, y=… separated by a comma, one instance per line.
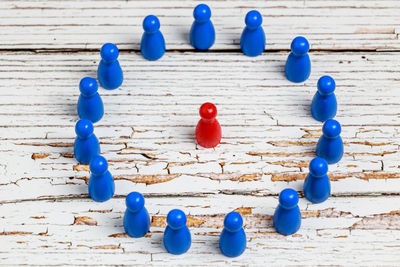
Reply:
x=208, y=130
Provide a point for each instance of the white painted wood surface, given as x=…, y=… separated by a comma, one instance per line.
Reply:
x=87, y=24
x=352, y=230
x=147, y=133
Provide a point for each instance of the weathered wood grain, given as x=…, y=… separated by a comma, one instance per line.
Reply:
x=147, y=133
x=329, y=25
x=352, y=230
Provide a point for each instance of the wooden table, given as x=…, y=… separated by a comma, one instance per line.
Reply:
x=147, y=132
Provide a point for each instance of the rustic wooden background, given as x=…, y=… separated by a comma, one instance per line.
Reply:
x=147, y=132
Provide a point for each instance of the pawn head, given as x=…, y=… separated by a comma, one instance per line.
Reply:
x=109, y=52
x=151, y=23
x=202, y=13
x=233, y=221
x=288, y=198
x=331, y=128
x=300, y=46
x=326, y=85
x=84, y=128
x=88, y=86
x=208, y=111
x=134, y=201
x=98, y=165
x=176, y=219
x=318, y=167
x=253, y=19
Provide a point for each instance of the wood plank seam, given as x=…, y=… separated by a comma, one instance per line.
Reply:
x=184, y=50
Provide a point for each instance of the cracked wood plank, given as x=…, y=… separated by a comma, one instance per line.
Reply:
x=147, y=133
x=351, y=230
x=329, y=25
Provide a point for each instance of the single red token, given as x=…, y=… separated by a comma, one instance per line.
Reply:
x=208, y=130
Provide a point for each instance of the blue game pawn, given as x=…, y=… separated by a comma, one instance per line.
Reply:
x=177, y=239
x=232, y=241
x=109, y=72
x=330, y=144
x=90, y=106
x=298, y=64
x=152, y=45
x=324, y=105
x=252, y=41
x=101, y=183
x=136, y=218
x=86, y=145
x=202, y=33
x=317, y=187
x=287, y=217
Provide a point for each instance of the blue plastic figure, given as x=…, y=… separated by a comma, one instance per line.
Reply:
x=152, y=45
x=330, y=144
x=177, y=239
x=317, y=187
x=298, y=64
x=86, y=145
x=90, y=105
x=101, y=183
x=232, y=242
x=324, y=105
x=287, y=217
x=252, y=41
x=109, y=72
x=202, y=33
x=136, y=218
